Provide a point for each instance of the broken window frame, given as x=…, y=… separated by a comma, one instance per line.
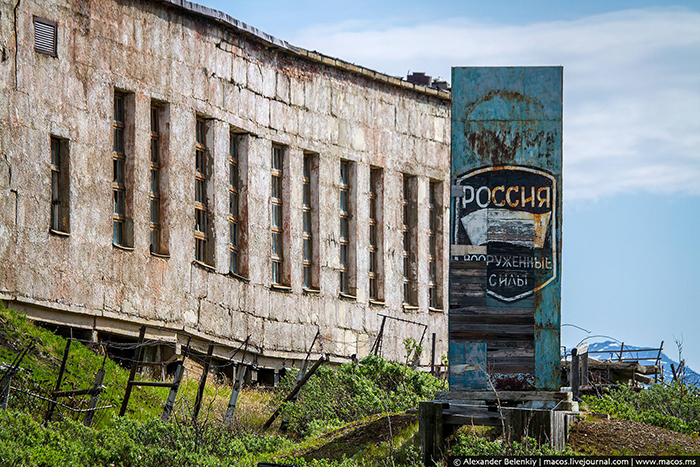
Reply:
x=155, y=194
x=376, y=279
x=59, y=222
x=277, y=244
x=202, y=227
x=119, y=188
x=434, y=236
x=407, y=231
x=309, y=221
x=344, y=237
x=234, y=214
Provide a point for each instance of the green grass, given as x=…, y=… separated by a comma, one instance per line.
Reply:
x=332, y=398
x=673, y=406
x=16, y=332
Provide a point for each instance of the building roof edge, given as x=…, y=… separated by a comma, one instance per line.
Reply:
x=271, y=41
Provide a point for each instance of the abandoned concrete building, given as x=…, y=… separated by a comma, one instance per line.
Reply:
x=162, y=163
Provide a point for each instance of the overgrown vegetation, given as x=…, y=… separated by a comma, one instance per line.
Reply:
x=361, y=403
x=333, y=397
x=126, y=442
x=339, y=395
x=673, y=406
x=42, y=364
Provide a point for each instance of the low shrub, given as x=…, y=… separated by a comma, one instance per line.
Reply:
x=338, y=395
x=128, y=443
x=673, y=406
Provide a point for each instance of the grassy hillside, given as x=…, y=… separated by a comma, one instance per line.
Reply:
x=347, y=415
x=347, y=399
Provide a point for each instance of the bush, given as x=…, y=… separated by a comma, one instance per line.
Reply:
x=339, y=395
x=672, y=406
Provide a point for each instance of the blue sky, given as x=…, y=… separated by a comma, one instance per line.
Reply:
x=631, y=131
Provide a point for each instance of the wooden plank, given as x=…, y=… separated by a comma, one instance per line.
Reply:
x=462, y=265
x=503, y=396
x=491, y=311
x=496, y=344
x=511, y=353
x=459, y=419
x=475, y=319
x=481, y=336
x=510, y=367
x=172, y=394
x=494, y=327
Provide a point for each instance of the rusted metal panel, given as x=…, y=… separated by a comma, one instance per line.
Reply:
x=506, y=200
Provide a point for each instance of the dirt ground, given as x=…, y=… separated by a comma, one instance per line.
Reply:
x=610, y=437
x=355, y=438
x=604, y=437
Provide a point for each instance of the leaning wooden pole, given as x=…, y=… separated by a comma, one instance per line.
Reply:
x=52, y=405
x=135, y=365
x=295, y=391
x=202, y=383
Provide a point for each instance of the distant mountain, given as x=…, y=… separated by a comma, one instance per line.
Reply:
x=645, y=358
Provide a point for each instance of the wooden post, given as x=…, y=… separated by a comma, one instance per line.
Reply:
x=295, y=391
x=52, y=405
x=6, y=380
x=535, y=424
x=5, y=384
x=622, y=348
x=376, y=348
x=172, y=395
x=237, y=386
x=97, y=387
x=574, y=373
x=582, y=352
x=135, y=364
x=202, y=382
x=432, y=357
x=657, y=363
x=430, y=432
x=584, y=369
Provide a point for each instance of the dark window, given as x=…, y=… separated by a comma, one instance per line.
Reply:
x=59, y=186
x=309, y=208
x=408, y=231
x=234, y=193
x=276, y=219
x=155, y=193
x=433, y=238
x=202, y=231
x=119, y=220
x=375, y=234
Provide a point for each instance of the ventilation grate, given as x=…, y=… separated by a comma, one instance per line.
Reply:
x=45, y=36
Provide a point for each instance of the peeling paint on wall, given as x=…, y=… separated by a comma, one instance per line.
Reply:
x=505, y=258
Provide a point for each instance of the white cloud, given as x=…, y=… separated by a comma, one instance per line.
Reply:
x=631, y=85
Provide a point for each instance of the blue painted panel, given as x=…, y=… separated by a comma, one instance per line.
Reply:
x=505, y=259
x=468, y=366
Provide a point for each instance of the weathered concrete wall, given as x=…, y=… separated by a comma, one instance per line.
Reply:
x=197, y=66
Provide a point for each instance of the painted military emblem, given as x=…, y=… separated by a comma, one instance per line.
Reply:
x=505, y=216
